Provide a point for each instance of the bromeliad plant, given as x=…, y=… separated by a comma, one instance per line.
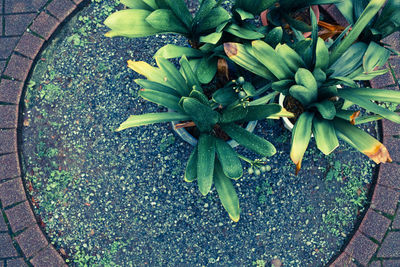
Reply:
x=310, y=76
x=212, y=161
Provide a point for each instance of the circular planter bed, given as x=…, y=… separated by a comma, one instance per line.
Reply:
x=108, y=198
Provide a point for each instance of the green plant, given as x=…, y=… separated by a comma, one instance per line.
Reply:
x=309, y=74
x=212, y=161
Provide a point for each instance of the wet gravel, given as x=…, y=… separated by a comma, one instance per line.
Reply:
x=119, y=199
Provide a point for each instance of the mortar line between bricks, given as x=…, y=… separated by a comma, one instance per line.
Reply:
x=18, y=13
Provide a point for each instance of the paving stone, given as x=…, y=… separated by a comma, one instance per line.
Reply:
x=375, y=264
x=383, y=81
x=9, y=166
x=361, y=248
x=19, y=6
x=16, y=263
x=8, y=116
x=390, y=247
x=2, y=65
x=3, y=225
x=389, y=175
x=344, y=260
x=1, y=22
x=7, y=45
x=20, y=217
x=31, y=241
x=18, y=67
x=393, y=40
x=29, y=45
x=374, y=225
x=8, y=141
x=48, y=257
x=10, y=91
x=11, y=192
x=385, y=199
x=390, y=128
x=6, y=247
x=391, y=263
x=61, y=8
x=393, y=146
x=396, y=221
x=17, y=24
x=337, y=16
x=44, y=25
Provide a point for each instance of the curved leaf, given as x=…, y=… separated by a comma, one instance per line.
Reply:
x=150, y=118
x=174, y=51
x=191, y=167
x=160, y=98
x=325, y=135
x=230, y=162
x=205, y=162
x=166, y=21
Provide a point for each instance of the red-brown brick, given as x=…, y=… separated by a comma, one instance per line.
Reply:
x=61, y=8
x=10, y=91
x=31, y=241
x=20, y=216
x=29, y=45
x=18, y=67
x=44, y=25
x=8, y=116
x=11, y=192
x=361, y=248
x=8, y=141
x=48, y=257
x=385, y=199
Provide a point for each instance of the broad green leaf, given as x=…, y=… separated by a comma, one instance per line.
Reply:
x=234, y=114
x=136, y=4
x=283, y=86
x=244, y=14
x=173, y=76
x=243, y=33
x=207, y=69
x=241, y=56
x=325, y=135
x=300, y=138
x=305, y=78
x=271, y=59
x=191, y=167
x=364, y=102
x=326, y=108
x=204, y=117
x=130, y=23
x=368, y=118
x=320, y=76
x=249, y=89
x=370, y=11
x=190, y=76
x=326, y=92
x=150, y=118
x=211, y=38
x=314, y=37
x=274, y=37
x=216, y=17
x=181, y=11
x=303, y=94
x=224, y=96
x=382, y=95
x=368, y=76
x=205, y=8
x=199, y=96
x=151, y=3
x=261, y=112
x=163, y=99
x=166, y=21
x=322, y=55
x=346, y=8
x=254, y=6
x=205, y=162
x=174, y=51
x=151, y=73
x=226, y=193
x=291, y=58
x=230, y=162
x=362, y=141
x=147, y=84
x=350, y=60
x=375, y=56
x=249, y=140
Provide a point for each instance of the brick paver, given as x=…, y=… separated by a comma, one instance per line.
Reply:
x=19, y=47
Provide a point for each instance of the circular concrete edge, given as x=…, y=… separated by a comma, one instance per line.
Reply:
x=30, y=238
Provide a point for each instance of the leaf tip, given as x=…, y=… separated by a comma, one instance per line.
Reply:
x=354, y=116
x=379, y=154
x=231, y=49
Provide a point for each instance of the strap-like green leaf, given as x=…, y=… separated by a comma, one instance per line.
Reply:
x=147, y=84
x=261, y=112
x=227, y=193
x=200, y=96
x=274, y=37
x=303, y=94
x=181, y=11
x=130, y=23
x=364, y=102
x=350, y=60
x=271, y=59
x=150, y=118
x=283, y=86
x=216, y=17
x=361, y=141
x=136, y=4
x=191, y=167
x=174, y=51
x=370, y=11
x=224, y=96
x=205, y=162
x=326, y=108
x=241, y=56
x=211, y=38
x=300, y=138
x=205, y=8
x=230, y=162
x=166, y=21
x=207, y=69
x=375, y=56
x=382, y=95
x=305, y=78
x=249, y=140
x=173, y=76
x=191, y=78
x=204, y=117
x=325, y=135
x=322, y=55
x=234, y=114
x=243, y=33
x=160, y=98
x=292, y=59
x=151, y=73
